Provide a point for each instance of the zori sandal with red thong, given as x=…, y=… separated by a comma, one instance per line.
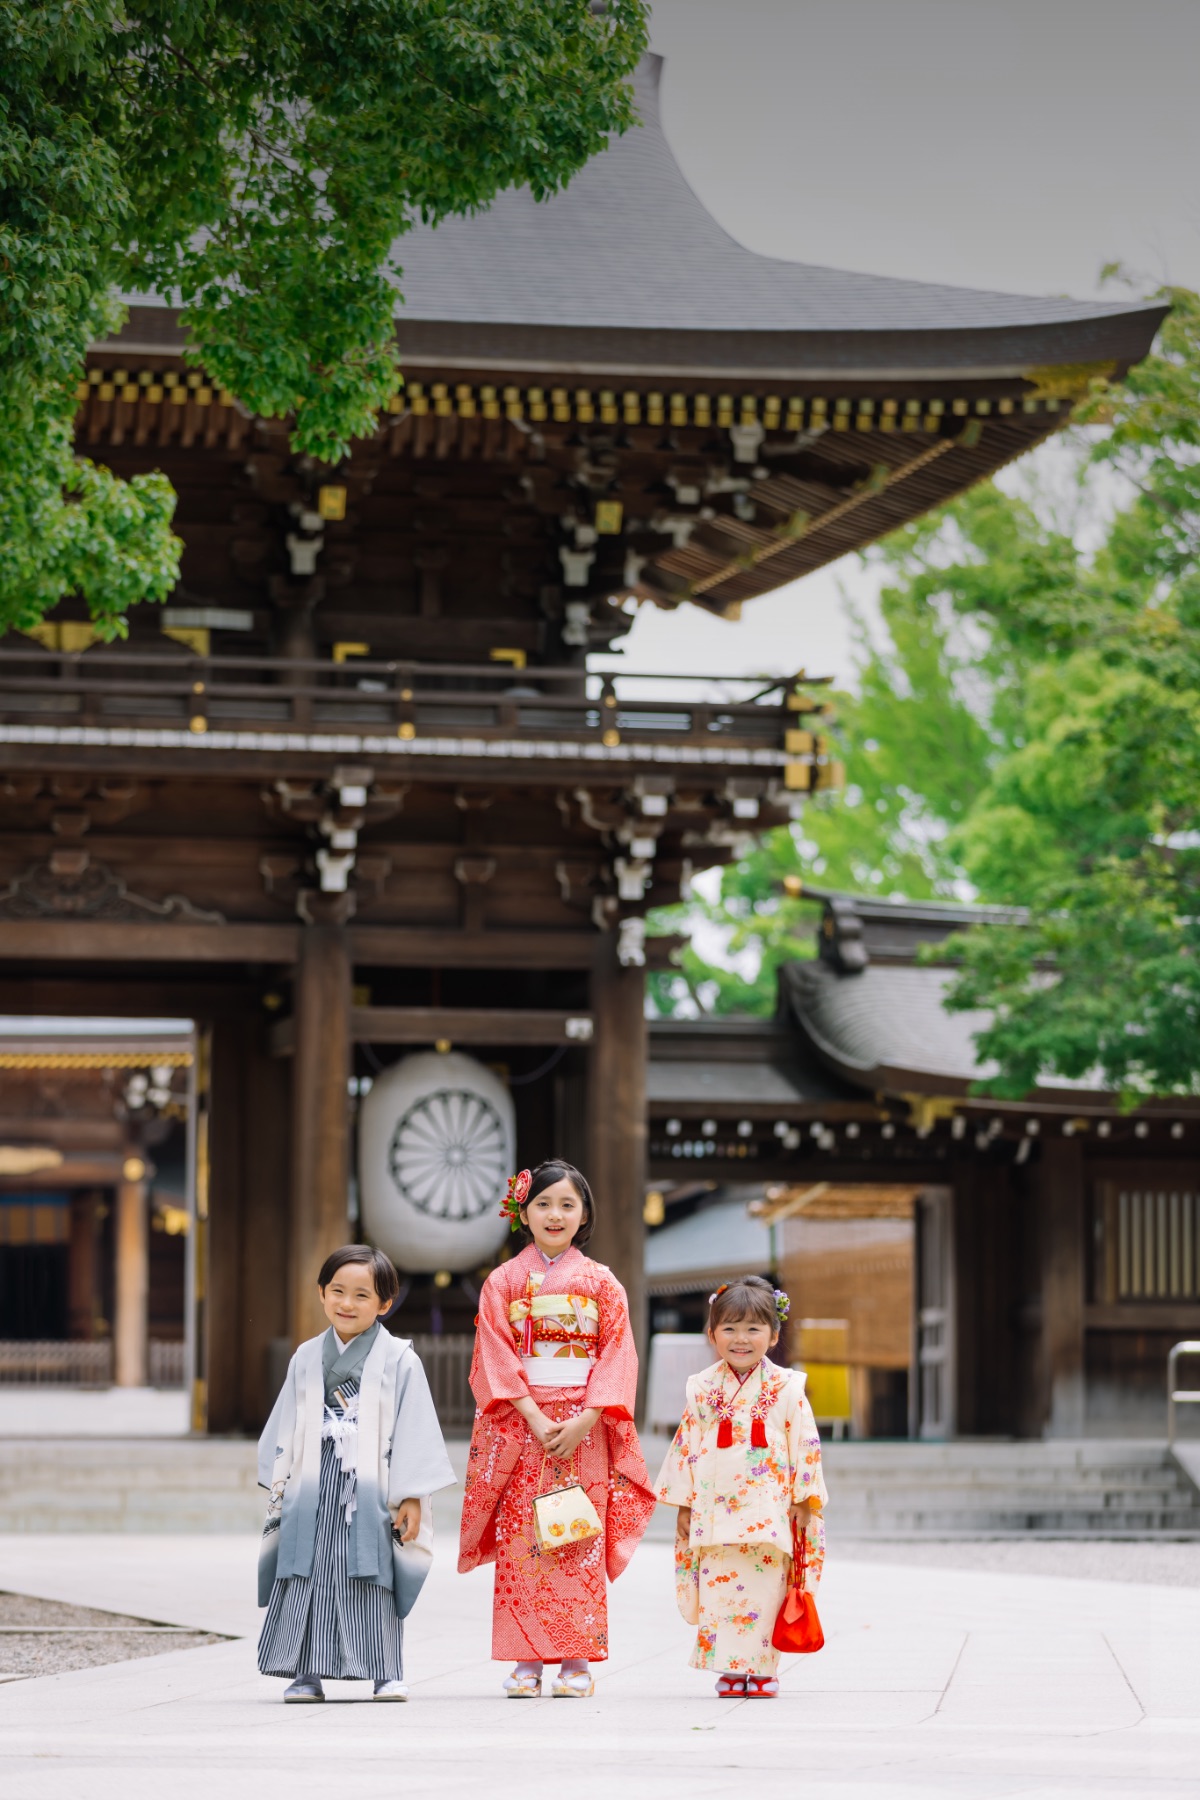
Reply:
x=731, y=1687
x=762, y=1687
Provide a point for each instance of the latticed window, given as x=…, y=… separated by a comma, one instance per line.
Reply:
x=1146, y=1240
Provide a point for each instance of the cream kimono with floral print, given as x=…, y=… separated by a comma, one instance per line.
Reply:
x=742, y=1494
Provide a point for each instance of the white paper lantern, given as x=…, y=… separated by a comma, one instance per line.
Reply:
x=436, y=1144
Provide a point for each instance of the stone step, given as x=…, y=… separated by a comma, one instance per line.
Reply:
x=1173, y=1524
x=878, y=1490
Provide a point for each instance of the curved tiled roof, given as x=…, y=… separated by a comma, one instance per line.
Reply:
x=629, y=244
x=886, y=1025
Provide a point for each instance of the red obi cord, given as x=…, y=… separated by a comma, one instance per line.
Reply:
x=758, y=1427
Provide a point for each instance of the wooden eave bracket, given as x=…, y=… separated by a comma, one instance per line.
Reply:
x=488, y=1026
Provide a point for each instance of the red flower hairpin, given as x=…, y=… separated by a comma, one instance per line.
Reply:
x=514, y=1200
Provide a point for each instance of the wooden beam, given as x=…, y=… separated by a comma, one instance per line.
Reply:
x=74, y=1172
x=497, y=1025
x=377, y=946
x=96, y=940
x=392, y=947
x=78, y=1133
x=1180, y=1317
x=320, y=1118
x=616, y=1113
x=455, y=1025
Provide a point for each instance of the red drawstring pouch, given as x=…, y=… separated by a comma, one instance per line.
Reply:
x=798, y=1629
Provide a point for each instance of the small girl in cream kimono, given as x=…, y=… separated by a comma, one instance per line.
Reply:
x=744, y=1464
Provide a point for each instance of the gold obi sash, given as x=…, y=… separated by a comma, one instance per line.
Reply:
x=557, y=1336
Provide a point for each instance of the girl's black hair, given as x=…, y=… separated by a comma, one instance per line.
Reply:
x=383, y=1270
x=546, y=1174
x=750, y=1297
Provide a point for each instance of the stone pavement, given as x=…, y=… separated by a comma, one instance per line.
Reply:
x=934, y=1681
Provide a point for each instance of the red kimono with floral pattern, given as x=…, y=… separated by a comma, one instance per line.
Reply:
x=552, y=1604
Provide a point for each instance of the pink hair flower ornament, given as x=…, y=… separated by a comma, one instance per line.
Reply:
x=518, y=1192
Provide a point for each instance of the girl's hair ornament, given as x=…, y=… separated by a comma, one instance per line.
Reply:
x=783, y=1305
x=518, y=1192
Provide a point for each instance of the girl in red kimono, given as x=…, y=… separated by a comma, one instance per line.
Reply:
x=554, y=1375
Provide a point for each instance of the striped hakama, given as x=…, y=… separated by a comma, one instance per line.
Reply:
x=331, y=1623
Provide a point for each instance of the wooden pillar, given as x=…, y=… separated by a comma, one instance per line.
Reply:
x=264, y=1237
x=224, y=1302
x=132, y=1238
x=1062, y=1232
x=83, y=1267
x=616, y=1117
x=320, y=1117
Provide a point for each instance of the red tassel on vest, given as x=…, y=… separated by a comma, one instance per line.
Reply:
x=758, y=1434
x=725, y=1434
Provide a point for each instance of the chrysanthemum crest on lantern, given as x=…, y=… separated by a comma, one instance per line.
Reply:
x=518, y=1192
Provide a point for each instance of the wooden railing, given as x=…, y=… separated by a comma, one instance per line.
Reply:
x=57, y=1361
x=447, y=1363
x=156, y=690
x=166, y=1362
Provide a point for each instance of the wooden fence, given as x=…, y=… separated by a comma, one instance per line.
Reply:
x=447, y=1363
x=76, y=1364
x=64, y=1363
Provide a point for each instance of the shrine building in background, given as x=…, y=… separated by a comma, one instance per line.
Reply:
x=368, y=818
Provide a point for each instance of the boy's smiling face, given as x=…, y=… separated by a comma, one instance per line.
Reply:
x=350, y=1301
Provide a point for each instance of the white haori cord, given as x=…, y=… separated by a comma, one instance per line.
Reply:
x=342, y=1429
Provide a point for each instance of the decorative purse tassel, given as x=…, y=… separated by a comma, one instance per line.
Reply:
x=725, y=1435
x=758, y=1434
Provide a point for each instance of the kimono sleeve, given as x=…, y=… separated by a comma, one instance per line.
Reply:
x=612, y=1384
x=419, y=1464
x=497, y=1377
x=279, y=1429
x=804, y=1448
x=676, y=1485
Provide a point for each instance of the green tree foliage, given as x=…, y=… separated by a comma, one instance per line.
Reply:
x=255, y=160
x=1029, y=733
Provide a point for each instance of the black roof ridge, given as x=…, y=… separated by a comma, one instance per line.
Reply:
x=878, y=909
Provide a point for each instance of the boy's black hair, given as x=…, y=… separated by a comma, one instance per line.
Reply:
x=546, y=1174
x=748, y=1298
x=383, y=1270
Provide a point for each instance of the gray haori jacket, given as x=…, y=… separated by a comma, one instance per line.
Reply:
x=401, y=1455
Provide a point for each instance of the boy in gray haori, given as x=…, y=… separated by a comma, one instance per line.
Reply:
x=350, y=1455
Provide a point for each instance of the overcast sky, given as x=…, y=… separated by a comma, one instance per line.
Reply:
x=1012, y=144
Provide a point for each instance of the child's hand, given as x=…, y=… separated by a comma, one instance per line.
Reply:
x=542, y=1428
x=408, y=1520
x=565, y=1436
x=800, y=1509
x=683, y=1525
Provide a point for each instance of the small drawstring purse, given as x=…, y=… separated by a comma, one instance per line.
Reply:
x=797, y=1628
x=563, y=1515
